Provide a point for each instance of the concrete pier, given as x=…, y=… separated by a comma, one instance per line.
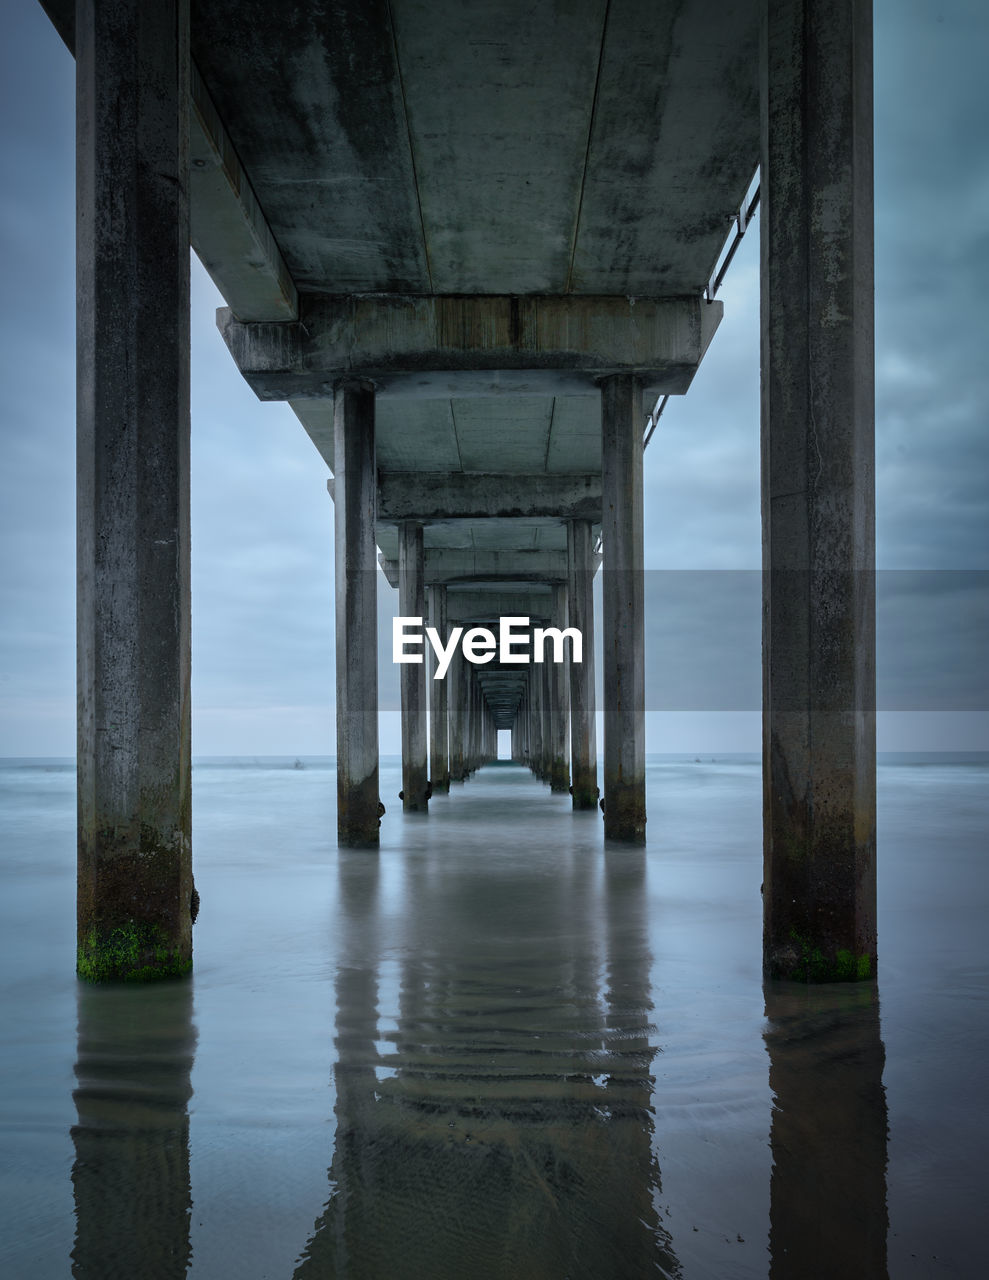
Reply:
x=135, y=889
x=356, y=615
x=818, y=497
x=623, y=604
x=580, y=606
x=474, y=364
x=412, y=675
x=439, y=742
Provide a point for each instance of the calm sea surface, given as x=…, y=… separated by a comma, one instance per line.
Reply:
x=498, y=1048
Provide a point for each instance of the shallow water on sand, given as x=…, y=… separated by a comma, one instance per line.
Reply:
x=498, y=1048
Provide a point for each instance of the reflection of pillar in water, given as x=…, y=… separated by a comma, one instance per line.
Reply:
x=130, y=1176
x=336, y=1246
x=828, y=1196
x=509, y=1133
x=629, y=1039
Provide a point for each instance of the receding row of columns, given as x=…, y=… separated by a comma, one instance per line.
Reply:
x=461, y=722
x=136, y=899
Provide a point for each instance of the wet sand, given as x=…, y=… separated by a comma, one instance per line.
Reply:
x=499, y=1048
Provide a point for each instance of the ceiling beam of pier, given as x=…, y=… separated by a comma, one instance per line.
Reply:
x=438, y=346
x=430, y=496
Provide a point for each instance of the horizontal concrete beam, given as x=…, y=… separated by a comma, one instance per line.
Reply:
x=448, y=565
x=463, y=345
x=226, y=226
x=425, y=496
x=481, y=607
x=227, y=229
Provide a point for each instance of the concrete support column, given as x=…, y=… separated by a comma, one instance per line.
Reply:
x=818, y=491
x=477, y=722
x=536, y=720
x=356, y=615
x=559, y=755
x=457, y=680
x=412, y=675
x=580, y=602
x=471, y=719
x=545, y=722
x=467, y=693
x=439, y=742
x=624, y=621
x=135, y=888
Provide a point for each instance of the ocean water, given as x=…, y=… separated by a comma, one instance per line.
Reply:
x=498, y=1048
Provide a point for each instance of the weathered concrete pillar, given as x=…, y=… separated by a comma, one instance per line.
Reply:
x=135, y=888
x=818, y=491
x=470, y=752
x=412, y=675
x=545, y=722
x=580, y=603
x=536, y=719
x=477, y=722
x=356, y=615
x=457, y=715
x=466, y=687
x=439, y=742
x=624, y=620
x=559, y=753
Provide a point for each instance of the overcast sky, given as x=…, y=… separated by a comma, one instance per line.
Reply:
x=262, y=520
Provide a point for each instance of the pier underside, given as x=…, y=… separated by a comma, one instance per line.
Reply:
x=472, y=247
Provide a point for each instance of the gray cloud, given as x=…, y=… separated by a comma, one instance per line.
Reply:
x=262, y=522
